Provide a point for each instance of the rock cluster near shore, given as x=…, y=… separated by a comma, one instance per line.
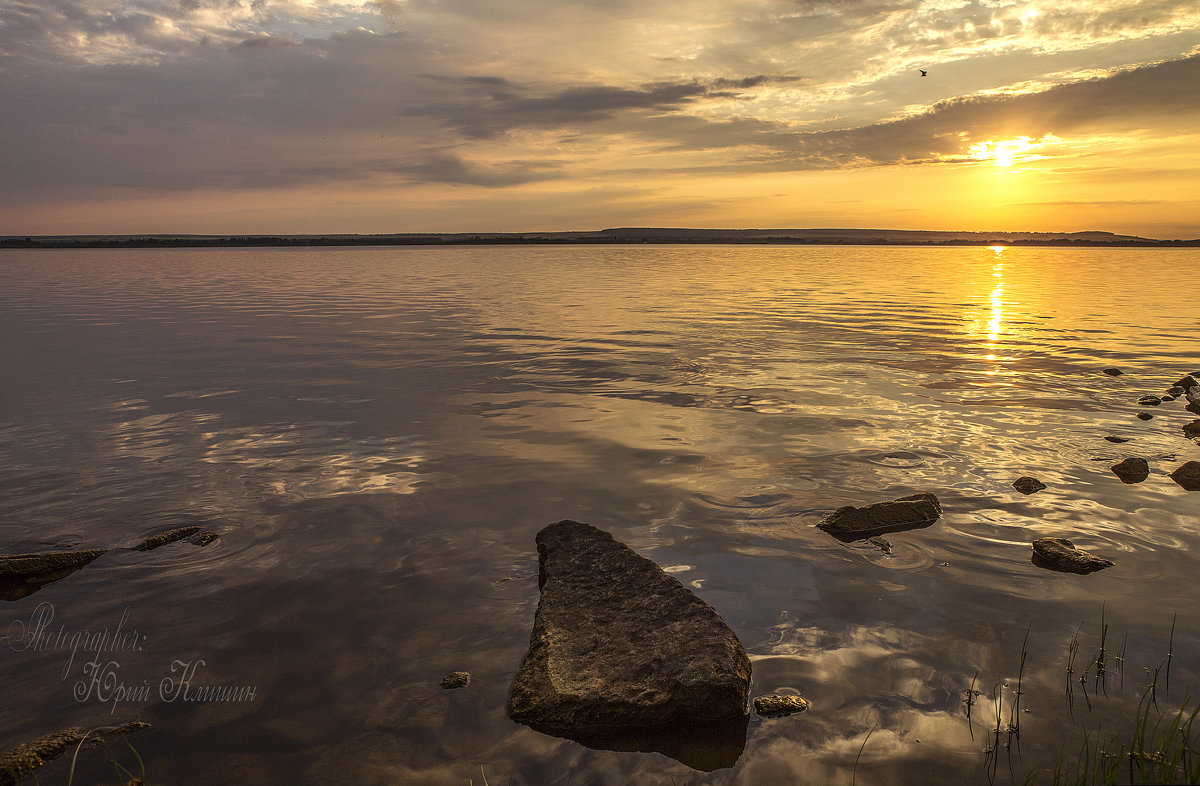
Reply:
x=619, y=643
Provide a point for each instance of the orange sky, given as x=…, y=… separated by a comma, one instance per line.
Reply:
x=307, y=116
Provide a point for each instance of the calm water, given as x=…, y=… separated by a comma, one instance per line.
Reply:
x=378, y=434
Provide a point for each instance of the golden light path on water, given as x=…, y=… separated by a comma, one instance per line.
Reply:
x=997, y=302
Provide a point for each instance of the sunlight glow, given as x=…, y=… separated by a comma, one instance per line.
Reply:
x=1006, y=152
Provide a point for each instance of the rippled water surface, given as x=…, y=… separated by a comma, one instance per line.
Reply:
x=377, y=435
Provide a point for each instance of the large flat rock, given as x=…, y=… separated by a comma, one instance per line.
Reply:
x=618, y=643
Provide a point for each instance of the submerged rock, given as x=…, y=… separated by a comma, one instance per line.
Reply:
x=1113, y=372
x=779, y=706
x=1175, y=390
x=1144, y=416
x=883, y=544
x=1028, y=485
x=1149, y=401
x=1188, y=475
x=913, y=512
x=619, y=643
x=1192, y=429
x=1117, y=440
x=192, y=535
x=1060, y=554
x=22, y=760
x=1132, y=470
x=25, y=574
x=456, y=679
x=163, y=538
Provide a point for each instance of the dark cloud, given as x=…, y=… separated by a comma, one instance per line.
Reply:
x=449, y=168
x=494, y=105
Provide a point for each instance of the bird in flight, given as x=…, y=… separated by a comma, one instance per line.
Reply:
x=923, y=72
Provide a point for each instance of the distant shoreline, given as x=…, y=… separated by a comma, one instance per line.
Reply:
x=622, y=236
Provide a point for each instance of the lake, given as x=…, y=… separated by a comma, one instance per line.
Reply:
x=377, y=434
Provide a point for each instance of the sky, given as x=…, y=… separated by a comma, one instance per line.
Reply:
x=313, y=116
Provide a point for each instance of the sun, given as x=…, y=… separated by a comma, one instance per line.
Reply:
x=1007, y=152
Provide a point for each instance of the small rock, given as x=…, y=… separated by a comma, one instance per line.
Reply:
x=1132, y=470
x=1149, y=401
x=849, y=523
x=1188, y=475
x=1144, y=416
x=1187, y=383
x=1113, y=372
x=456, y=679
x=1117, y=440
x=1060, y=554
x=1028, y=485
x=883, y=544
x=779, y=706
x=1175, y=390
x=1192, y=429
x=1168, y=398
x=203, y=538
x=1193, y=408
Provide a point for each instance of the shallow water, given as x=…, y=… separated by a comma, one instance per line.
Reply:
x=377, y=435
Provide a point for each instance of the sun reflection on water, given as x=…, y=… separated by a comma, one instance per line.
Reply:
x=996, y=321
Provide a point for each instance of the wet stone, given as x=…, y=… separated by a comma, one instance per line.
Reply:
x=28, y=756
x=1192, y=430
x=1132, y=470
x=1117, y=440
x=883, y=544
x=619, y=643
x=1144, y=416
x=779, y=706
x=456, y=679
x=1113, y=372
x=1188, y=475
x=1061, y=555
x=913, y=512
x=163, y=538
x=1149, y=401
x=1175, y=390
x=1028, y=485
x=24, y=574
x=1187, y=383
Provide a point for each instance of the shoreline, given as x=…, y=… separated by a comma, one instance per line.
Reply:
x=284, y=242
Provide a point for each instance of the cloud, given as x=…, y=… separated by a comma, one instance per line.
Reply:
x=178, y=94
